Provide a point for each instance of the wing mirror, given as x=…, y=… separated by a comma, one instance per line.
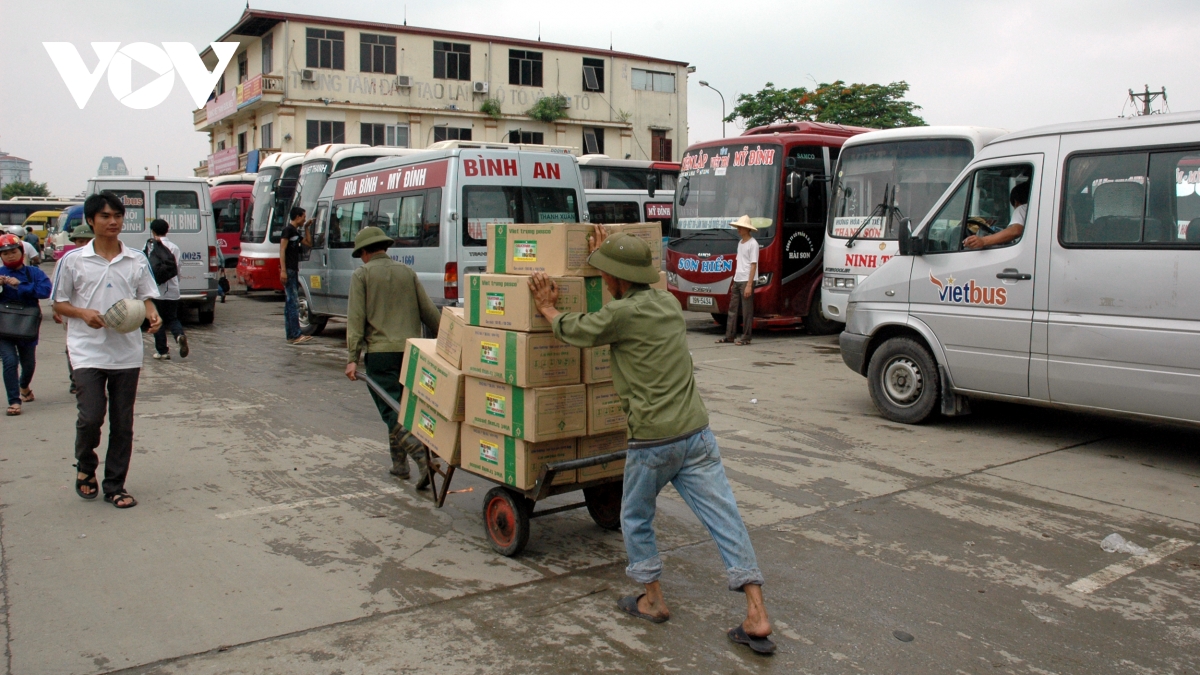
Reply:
x=685, y=188
x=907, y=243
x=652, y=183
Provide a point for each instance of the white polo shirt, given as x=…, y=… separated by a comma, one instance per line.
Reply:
x=88, y=281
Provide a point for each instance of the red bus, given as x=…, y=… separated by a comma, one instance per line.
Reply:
x=232, y=197
x=779, y=175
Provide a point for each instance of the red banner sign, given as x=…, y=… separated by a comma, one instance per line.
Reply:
x=223, y=162
x=249, y=91
x=221, y=106
x=399, y=179
x=658, y=210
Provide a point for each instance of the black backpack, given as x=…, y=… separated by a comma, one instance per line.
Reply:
x=162, y=262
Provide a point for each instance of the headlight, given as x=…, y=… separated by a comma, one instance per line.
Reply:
x=673, y=279
x=843, y=283
x=850, y=312
x=762, y=280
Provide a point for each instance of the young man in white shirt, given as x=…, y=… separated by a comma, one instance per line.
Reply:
x=87, y=282
x=167, y=301
x=741, y=291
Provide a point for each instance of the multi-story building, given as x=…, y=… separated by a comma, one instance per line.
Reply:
x=112, y=166
x=13, y=169
x=298, y=81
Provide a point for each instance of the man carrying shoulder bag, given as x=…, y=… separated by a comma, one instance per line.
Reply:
x=164, y=257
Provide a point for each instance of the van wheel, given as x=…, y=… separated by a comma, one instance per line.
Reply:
x=903, y=380
x=206, y=315
x=310, y=324
x=817, y=324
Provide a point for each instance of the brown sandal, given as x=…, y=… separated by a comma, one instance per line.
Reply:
x=27, y=396
x=13, y=410
x=724, y=341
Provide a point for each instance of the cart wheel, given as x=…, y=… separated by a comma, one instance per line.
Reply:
x=604, y=505
x=506, y=517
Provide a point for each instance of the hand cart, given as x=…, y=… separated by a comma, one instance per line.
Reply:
x=507, y=510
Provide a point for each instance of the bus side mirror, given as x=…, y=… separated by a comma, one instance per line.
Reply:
x=685, y=188
x=794, y=186
x=652, y=183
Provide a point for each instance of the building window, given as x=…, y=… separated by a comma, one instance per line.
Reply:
x=593, y=140
x=220, y=145
x=397, y=135
x=243, y=67
x=593, y=75
x=370, y=134
x=268, y=54
x=321, y=132
x=660, y=146
x=377, y=53
x=451, y=61
x=221, y=84
x=451, y=134
x=649, y=80
x=524, y=68
x=241, y=143
x=527, y=137
x=266, y=130
x=325, y=49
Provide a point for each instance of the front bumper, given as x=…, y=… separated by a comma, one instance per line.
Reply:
x=854, y=351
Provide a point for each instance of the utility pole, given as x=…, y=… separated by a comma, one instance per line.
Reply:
x=1146, y=97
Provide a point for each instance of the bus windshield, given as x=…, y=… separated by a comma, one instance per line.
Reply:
x=922, y=169
x=313, y=177
x=484, y=204
x=254, y=230
x=719, y=184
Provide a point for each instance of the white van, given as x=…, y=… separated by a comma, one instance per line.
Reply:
x=186, y=205
x=1093, y=306
x=437, y=205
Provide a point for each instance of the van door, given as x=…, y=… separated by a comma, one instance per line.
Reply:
x=179, y=205
x=1124, y=319
x=345, y=221
x=979, y=303
x=314, y=269
x=413, y=220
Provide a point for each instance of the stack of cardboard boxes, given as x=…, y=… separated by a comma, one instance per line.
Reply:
x=524, y=398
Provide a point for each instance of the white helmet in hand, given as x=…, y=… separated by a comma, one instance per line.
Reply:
x=126, y=315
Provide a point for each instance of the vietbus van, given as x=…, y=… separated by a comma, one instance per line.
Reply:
x=1090, y=304
x=186, y=206
x=436, y=204
x=231, y=199
x=629, y=191
x=258, y=256
x=882, y=178
x=779, y=176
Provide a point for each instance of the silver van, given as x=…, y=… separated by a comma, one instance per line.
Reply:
x=1094, y=306
x=186, y=205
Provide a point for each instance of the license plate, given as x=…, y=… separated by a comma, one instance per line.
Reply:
x=699, y=301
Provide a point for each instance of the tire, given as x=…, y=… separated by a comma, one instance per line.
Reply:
x=310, y=324
x=207, y=314
x=903, y=379
x=604, y=505
x=817, y=324
x=506, y=519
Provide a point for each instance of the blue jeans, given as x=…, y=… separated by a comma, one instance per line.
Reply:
x=12, y=354
x=693, y=466
x=291, y=308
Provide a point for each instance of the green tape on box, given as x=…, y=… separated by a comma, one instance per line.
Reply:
x=501, y=249
x=510, y=358
x=411, y=367
x=517, y=418
x=410, y=412
x=593, y=288
x=473, y=300
x=510, y=460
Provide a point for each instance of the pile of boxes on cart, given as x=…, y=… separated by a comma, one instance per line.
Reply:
x=496, y=393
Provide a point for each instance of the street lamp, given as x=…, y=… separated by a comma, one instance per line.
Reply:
x=429, y=136
x=705, y=84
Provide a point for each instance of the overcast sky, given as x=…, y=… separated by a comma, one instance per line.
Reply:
x=1005, y=64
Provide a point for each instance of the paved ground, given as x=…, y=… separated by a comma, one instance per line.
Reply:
x=269, y=538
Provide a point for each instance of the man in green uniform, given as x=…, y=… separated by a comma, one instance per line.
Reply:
x=668, y=427
x=387, y=307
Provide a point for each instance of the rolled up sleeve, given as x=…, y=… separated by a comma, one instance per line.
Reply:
x=587, y=330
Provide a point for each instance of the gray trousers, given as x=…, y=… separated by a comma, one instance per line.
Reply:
x=116, y=390
x=737, y=302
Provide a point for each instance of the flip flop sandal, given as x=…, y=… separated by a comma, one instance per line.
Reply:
x=114, y=497
x=724, y=341
x=742, y=343
x=90, y=481
x=13, y=410
x=760, y=645
x=27, y=398
x=629, y=605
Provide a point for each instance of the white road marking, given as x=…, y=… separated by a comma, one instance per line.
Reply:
x=306, y=502
x=1097, y=580
x=200, y=411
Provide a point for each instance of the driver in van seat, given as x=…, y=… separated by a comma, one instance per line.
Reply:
x=1019, y=198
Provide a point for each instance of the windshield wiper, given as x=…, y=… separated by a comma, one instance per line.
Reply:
x=697, y=233
x=885, y=211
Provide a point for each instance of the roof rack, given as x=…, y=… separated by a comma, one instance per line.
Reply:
x=486, y=145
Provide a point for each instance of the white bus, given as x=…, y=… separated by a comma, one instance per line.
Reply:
x=258, y=257
x=883, y=177
x=629, y=191
x=436, y=204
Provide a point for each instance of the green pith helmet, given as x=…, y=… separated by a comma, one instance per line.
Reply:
x=625, y=257
x=368, y=236
x=82, y=232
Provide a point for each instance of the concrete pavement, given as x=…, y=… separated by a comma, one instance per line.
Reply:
x=269, y=537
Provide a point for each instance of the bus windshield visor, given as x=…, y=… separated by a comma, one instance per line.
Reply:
x=254, y=230
x=920, y=170
x=718, y=185
x=486, y=204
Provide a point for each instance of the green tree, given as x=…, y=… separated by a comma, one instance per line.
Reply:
x=30, y=189
x=879, y=106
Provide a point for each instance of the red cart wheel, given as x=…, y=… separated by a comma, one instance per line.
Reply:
x=604, y=504
x=506, y=517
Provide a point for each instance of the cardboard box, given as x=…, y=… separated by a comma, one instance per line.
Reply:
x=435, y=431
x=515, y=462
x=432, y=379
x=661, y=284
x=605, y=412
x=602, y=445
x=450, y=335
x=505, y=301
x=596, y=364
x=534, y=415
x=558, y=249
x=520, y=359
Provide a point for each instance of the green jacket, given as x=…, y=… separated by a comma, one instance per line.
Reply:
x=387, y=307
x=651, y=364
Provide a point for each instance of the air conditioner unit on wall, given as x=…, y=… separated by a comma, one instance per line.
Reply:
x=566, y=101
x=404, y=80
x=479, y=87
x=307, y=75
